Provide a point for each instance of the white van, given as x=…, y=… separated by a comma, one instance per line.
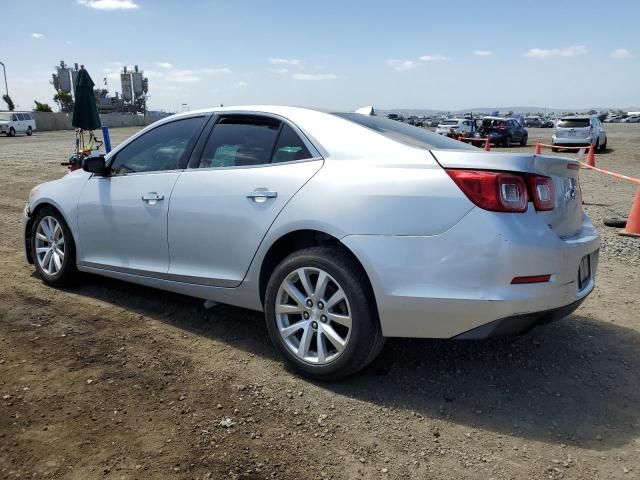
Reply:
x=17, y=122
x=460, y=126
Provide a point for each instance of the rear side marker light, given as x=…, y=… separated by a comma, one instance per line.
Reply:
x=531, y=279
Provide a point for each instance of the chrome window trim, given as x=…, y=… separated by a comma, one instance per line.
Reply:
x=262, y=165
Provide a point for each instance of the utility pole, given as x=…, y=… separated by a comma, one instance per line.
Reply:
x=5, y=78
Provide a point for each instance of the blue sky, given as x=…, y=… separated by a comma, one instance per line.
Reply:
x=334, y=54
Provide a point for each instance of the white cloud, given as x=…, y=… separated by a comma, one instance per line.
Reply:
x=317, y=76
x=240, y=84
x=483, y=53
x=110, y=4
x=279, y=71
x=400, y=65
x=37, y=35
x=211, y=71
x=182, y=76
x=433, y=58
x=573, y=51
x=621, y=53
x=285, y=61
x=164, y=65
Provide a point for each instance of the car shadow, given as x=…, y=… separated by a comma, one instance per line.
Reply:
x=573, y=382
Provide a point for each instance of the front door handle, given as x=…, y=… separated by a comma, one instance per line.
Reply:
x=152, y=198
x=261, y=195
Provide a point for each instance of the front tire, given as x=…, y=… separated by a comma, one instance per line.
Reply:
x=321, y=315
x=507, y=142
x=12, y=132
x=52, y=248
x=523, y=142
x=29, y=131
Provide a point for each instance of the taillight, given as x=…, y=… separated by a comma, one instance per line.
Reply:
x=495, y=191
x=541, y=191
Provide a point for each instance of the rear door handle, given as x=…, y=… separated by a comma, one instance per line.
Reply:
x=262, y=195
x=152, y=198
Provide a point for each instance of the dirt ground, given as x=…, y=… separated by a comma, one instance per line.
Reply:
x=116, y=381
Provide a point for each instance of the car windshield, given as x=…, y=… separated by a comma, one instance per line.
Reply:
x=449, y=122
x=406, y=134
x=5, y=117
x=573, y=123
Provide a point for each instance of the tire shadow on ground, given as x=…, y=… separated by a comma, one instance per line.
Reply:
x=575, y=381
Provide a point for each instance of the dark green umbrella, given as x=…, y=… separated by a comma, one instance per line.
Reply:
x=85, y=113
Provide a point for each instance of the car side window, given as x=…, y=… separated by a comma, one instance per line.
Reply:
x=289, y=147
x=164, y=148
x=239, y=141
x=14, y=118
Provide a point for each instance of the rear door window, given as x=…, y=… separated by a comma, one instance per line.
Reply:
x=289, y=147
x=241, y=141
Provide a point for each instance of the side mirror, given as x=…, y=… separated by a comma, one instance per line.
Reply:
x=95, y=165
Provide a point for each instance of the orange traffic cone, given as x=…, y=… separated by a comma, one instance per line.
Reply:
x=538, y=150
x=591, y=158
x=487, y=145
x=633, y=222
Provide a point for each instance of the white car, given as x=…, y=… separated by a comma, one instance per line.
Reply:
x=343, y=228
x=17, y=122
x=580, y=130
x=460, y=126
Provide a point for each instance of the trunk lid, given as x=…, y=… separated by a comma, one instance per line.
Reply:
x=566, y=218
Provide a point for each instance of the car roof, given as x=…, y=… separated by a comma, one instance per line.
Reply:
x=330, y=134
x=577, y=117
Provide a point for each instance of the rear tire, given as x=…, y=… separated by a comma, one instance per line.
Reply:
x=52, y=248
x=603, y=147
x=334, y=339
x=507, y=142
x=12, y=132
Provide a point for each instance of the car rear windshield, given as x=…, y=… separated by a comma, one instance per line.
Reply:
x=573, y=123
x=403, y=133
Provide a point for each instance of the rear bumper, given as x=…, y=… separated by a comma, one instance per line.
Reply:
x=571, y=142
x=518, y=324
x=445, y=285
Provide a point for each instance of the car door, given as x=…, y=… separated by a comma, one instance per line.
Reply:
x=122, y=217
x=250, y=167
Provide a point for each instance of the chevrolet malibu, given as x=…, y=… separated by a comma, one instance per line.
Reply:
x=343, y=228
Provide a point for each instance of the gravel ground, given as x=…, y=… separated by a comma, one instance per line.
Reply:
x=111, y=380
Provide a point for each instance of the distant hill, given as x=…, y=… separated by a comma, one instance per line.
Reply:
x=407, y=112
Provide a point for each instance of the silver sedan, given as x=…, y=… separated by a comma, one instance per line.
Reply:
x=343, y=228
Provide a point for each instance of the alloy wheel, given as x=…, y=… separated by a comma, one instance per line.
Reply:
x=50, y=245
x=313, y=315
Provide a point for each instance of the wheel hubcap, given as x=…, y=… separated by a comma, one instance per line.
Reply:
x=50, y=245
x=313, y=315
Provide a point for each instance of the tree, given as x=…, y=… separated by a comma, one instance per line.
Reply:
x=9, y=102
x=65, y=100
x=592, y=112
x=42, y=107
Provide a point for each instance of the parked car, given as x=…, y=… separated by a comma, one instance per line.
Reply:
x=459, y=126
x=547, y=123
x=580, y=130
x=533, y=122
x=343, y=228
x=17, y=122
x=503, y=131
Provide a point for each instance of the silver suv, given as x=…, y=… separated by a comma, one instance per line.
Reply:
x=582, y=130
